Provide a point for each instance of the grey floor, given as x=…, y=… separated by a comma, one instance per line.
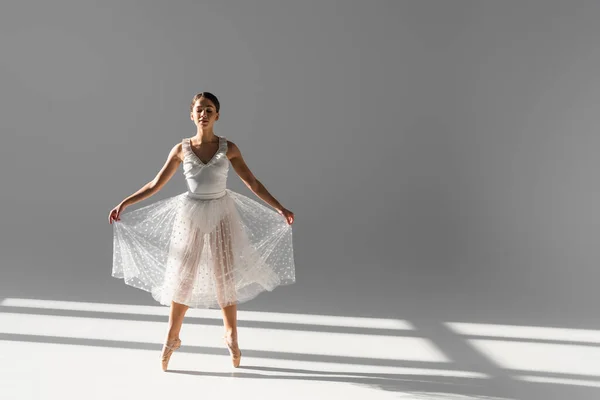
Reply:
x=57, y=349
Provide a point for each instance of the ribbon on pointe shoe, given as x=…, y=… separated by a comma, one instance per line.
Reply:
x=171, y=346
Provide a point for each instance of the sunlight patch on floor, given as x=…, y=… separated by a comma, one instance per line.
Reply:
x=559, y=381
x=526, y=332
x=513, y=347
x=304, y=319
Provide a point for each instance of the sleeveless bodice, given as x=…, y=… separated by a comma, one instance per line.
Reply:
x=205, y=180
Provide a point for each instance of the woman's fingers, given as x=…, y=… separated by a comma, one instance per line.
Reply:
x=114, y=215
x=289, y=216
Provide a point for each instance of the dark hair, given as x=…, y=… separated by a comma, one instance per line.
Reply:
x=206, y=95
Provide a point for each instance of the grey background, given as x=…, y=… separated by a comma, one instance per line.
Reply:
x=440, y=156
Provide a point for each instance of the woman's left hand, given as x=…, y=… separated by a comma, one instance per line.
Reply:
x=289, y=216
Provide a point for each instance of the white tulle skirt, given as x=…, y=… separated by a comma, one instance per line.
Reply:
x=204, y=253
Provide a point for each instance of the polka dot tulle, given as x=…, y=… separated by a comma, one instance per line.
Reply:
x=203, y=253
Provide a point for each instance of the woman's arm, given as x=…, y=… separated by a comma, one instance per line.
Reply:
x=163, y=176
x=239, y=165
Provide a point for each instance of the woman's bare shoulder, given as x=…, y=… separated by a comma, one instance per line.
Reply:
x=232, y=145
x=177, y=151
x=232, y=149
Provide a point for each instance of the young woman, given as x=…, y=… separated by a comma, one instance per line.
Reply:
x=208, y=247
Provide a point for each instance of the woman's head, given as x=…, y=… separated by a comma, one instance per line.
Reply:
x=204, y=109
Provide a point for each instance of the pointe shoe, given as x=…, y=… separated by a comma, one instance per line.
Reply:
x=234, y=351
x=168, y=350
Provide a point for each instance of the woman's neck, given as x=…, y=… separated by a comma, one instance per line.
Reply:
x=205, y=136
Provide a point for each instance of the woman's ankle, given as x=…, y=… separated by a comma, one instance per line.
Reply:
x=231, y=334
x=172, y=338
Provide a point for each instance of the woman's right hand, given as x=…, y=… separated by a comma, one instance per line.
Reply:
x=115, y=213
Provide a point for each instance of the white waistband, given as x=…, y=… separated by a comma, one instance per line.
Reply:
x=206, y=196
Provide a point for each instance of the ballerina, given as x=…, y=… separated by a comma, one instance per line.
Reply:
x=209, y=247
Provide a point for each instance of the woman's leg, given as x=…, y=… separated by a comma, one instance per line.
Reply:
x=224, y=279
x=225, y=284
x=176, y=315
x=230, y=321
x=187, y=275
x=173, y=343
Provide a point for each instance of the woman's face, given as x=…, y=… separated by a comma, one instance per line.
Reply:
x=204, y=113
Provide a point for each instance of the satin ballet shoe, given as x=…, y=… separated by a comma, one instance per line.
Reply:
x=234, y=351
x=168, y=350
